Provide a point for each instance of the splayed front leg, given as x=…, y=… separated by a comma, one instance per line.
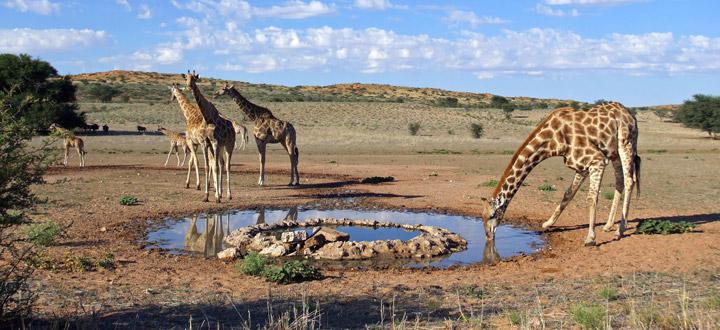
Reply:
x=261, y=151
x=569, y=194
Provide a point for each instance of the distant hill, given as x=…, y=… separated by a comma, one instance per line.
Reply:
x=137, y=86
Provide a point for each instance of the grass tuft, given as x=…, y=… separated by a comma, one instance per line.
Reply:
x=413, y=128
x=491, y=183
x=128, y=200
x=546, y=187
x=43, y=234
x=609, y=195
x=609, y=294
x=590, y=317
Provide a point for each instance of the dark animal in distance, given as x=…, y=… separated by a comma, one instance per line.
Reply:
x=141, y=129
x=106, y=128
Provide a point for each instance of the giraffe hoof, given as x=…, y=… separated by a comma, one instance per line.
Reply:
x=205, y=200
x=590, y=243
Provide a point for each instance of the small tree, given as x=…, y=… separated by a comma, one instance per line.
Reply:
x=498, y=101
x=102, y=93
x=702, y=112
x=477, y=130
x=20, y=168
x=413, y=128
x=450, y=102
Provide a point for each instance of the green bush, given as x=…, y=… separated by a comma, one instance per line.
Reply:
x=588, y=317
x=413, y=128
x=102, y=93
x=546, y=187
x=477, y=130
x=252, y=264
x=703, y=112
x=491, y=183
x=107, y=261
x=128, y=200
x=664, y=227
x=291, y=272
x=43, y=234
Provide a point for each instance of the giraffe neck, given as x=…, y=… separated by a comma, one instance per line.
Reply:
x=208, y=110
x=190, y=111
x=250, y=109
x=531, y=153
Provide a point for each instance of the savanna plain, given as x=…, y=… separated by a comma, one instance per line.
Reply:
x=639, y=281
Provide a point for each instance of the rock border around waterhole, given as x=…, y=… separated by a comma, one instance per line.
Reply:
x=326, y=243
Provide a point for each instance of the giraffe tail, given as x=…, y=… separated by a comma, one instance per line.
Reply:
x=636, y=173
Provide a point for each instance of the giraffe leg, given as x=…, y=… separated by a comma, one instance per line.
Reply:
x=177, y=155
x=185, y=152
x=596, y=174
x=569, y=194
x=261, y=151
x=619, y=188
x=292, y=171
x=217, y=175
x=228, y=157
x=169, y=153
x=67, y=155
x=207, y=171
x=80, y=157
x=627, y=157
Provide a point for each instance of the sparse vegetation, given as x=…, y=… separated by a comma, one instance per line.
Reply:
x=491, y=183
x=128, y=200
x=608, y=293
x=477, y=130
x=291, y=272
x=440, y=152
x=43, y=234
x=413, y=128
x=609, y=195
x=664, y=227
x=253, y=264
x=545, y=186
x=589, y=317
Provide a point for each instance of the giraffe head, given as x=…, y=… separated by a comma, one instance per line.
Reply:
x=491, y=217
x=191, y=77
x=223, y=90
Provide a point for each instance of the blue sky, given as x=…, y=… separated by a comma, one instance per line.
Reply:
x=639, y=52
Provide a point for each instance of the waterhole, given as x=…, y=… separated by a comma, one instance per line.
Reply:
x=203, y=234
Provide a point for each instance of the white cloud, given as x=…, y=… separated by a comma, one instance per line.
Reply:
x=549, y=11
x=589, y=2
x=145, y=12
x=42, y=7
x=38, y=41
x=125, y=4
x=377, y=4
x=242, y=10
x=458, y=17
x=163, y=54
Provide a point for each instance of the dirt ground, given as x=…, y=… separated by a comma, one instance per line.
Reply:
x=151, y=288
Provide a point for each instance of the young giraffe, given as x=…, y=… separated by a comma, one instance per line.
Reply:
x=177, y=141
x=70, y=141
x=267, y=129
x=198, y=133
x=223, y=143
x=587, y=140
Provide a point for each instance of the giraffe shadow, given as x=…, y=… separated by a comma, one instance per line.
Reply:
x=325, y=185
x=332, y=195
x=697, y=219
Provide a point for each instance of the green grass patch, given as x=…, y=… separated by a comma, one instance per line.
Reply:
x=590, y=317
x=664, y=227
x=656, y=151
x=128, y=200
x=609, y=195
x=491, y=183
x=516, y=318
x=609, y=293
x=713, y=302
x=439, y=152
x=43, y=234
x=291, y=272
x=546, y=187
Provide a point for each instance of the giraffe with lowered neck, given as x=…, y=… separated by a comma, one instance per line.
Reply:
x=177, y=141
x=70, y=141
x=267, y=129
x=223, y=142
x=587, y=140
x=198, y=133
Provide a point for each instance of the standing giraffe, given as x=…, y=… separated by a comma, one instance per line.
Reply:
x=70, y=141
x=198, y=133
x=267, y=129
x=588, y=140
x=223, y=143
x=177, y=141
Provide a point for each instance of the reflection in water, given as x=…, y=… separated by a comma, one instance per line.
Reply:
x=204, y=234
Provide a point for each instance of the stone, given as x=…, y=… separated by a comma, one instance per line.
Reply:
x=275, y=250
x=229, y=254
x=332, y=235
x=293, y=236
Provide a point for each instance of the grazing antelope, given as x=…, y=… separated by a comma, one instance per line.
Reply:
x=70, y=141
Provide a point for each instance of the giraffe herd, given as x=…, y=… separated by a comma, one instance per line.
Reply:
x=588, y=140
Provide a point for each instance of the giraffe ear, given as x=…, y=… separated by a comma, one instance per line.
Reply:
x=232, y=86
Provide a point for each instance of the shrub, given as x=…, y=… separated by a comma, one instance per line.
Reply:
x=414, y=128
x=477, y=130
x=608, y=293
x=252, y=264
x=102, y=93
x=588, y=316
x=664, y=227
x=703, y=112
x=546, y=187
x=107, y=261
x=128, y=200
x=291, y=272
x=43, y=234
x=609, y=195
x=491, y=183
x=450, y=102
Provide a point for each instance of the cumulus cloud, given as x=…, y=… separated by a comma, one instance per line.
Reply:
x=377, y=4
x=145, y=12
x=458, y=17
x=242, y=10
x=162, y=54
x=549, y=11
x=125, y=4
x=34, y=41
x=42, y=7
